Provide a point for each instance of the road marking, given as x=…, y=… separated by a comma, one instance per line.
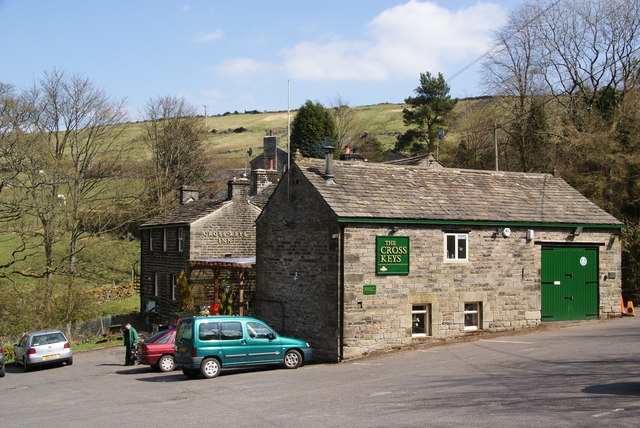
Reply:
x=375, y=394
x=607, y=413
x=507, y=341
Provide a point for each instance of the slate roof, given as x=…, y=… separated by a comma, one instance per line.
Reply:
x=383, y=191
x=187, y=213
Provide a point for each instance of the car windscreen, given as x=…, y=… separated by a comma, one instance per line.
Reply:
x=47, y=339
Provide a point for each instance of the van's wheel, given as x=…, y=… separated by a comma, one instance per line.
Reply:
x=165, y=363
x=210, y=368
x=191, y=374
x=292, y=359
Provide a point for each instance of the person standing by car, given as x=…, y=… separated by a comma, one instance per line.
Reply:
x=130, y=339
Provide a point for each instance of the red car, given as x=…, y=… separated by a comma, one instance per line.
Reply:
x=157, y=351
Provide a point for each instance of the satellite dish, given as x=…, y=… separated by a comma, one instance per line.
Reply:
x=506, y=232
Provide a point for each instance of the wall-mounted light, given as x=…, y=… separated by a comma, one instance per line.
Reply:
x=530, y=234
x=578, y=231
x=394, y=229
x=295, y=276
x=286, y=222
x=504, y=231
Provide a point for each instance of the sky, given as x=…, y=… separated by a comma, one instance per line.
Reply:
x=238, y=55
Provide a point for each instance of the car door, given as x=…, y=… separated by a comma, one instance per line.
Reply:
x=20, y=349
x=263, y=345
x=232, y=345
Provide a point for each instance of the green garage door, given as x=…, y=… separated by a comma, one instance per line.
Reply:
x=569, y=283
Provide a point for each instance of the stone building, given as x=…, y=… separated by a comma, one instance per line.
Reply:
x=212, y=241
x=356, y=257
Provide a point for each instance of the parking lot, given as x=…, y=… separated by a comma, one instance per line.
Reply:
x=569, y=374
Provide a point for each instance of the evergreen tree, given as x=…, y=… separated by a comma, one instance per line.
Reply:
x=313, y=128
x=185, y=301
x=429, y=111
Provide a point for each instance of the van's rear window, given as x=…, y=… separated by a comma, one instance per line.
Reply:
x=185, y=330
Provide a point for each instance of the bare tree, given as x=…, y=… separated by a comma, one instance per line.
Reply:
x=346, y=128
x=65, y=160
x=175, y=139
x=513, y=72
x=588, y=46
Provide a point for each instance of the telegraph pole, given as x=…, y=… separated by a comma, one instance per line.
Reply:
x=495, y=142
x=205, y=117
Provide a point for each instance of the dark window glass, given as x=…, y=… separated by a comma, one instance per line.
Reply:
x=231, y=330
x=210, y=331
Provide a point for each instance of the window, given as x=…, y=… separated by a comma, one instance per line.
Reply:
x=456, y=246
x=472, y=316
x=421, y=320
x=180, y=239
x=258, y=330
x=173, y=282
x=150, y=240
x=209, y=331
x=231, y=330
x=164, y=240
x=155, y=284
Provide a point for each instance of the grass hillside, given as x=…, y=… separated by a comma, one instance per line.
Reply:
x=231, y=135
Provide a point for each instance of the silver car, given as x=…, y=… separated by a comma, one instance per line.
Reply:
x=43, y=347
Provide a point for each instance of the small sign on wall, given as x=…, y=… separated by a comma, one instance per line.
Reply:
x=369, y=290
x=392, y=255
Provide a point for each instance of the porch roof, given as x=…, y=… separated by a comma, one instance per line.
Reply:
x=228, y=262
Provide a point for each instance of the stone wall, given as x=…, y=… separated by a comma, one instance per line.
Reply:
x=163, y=266
x=297, y=267
x=501, y=273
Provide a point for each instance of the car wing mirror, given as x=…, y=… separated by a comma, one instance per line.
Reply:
x=271, y=335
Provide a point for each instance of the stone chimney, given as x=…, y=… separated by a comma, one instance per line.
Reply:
x=328, y=164
x=270, y=152
x=238, y=189
x=188, y=194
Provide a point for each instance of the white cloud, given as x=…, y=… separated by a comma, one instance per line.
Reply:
x=209, y=37
x=241, y=67
x=186, y=8
x=405, y=40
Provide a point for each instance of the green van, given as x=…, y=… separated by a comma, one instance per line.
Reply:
x=205, y=345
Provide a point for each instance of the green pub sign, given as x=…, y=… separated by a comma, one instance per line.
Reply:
x=392, y=255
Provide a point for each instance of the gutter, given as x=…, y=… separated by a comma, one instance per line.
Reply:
x=478, y=223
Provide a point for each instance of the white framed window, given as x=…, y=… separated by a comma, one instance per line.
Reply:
x=164, y=240
x=472, y=316
x=421, y=320
x=456, y=246
x=180, y=239
x=155, y=284
x=150, y=239
x=173, y=287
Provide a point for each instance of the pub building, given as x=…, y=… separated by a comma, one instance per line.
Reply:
x=212, y=241
x=357, y=257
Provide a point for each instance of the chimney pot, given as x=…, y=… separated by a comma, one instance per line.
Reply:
x=328, y=163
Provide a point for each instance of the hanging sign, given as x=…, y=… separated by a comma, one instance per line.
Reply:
x=392, y=255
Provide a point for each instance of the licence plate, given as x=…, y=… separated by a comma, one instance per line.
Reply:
x=48, y=357
x=182, y=349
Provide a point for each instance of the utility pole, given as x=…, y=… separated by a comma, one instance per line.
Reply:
x=205, y=117
x=495, y=142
